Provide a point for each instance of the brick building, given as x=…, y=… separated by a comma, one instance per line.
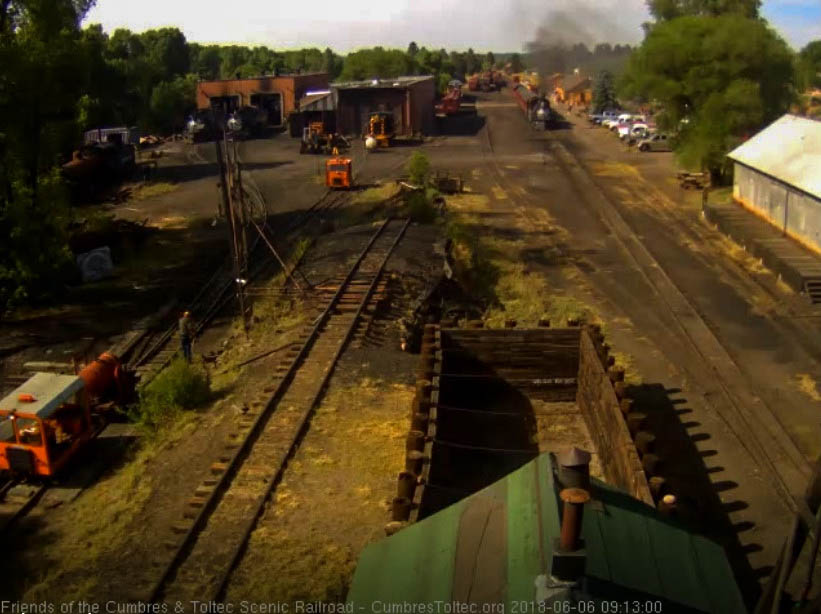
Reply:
x=276, y=94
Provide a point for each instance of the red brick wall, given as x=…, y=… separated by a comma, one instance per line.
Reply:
x=291, y=87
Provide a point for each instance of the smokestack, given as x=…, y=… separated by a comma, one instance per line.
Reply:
x=569, y=555
x=574, y=468
x=574, y=500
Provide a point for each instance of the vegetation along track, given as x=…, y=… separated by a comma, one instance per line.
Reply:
x=207, y=544
x=158, y=351
x=743, y=411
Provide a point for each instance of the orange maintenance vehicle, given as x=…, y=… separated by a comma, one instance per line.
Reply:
x=338, y=172
x=47, y=420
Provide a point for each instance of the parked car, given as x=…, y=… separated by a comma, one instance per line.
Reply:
x=633, y=131
x=640, y=132
x=655, y=142
x=598, y=118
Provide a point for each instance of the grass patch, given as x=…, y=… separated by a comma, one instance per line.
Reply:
x=627, y=362
x=491, y=270
x=808, y=386
x=376, y=194
x=349, y=459
x=153, y=189
x=721, y=196
x=178, y=387
x=366, y=205
x=96, y=525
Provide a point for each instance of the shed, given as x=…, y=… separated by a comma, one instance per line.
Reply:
x=491, y=548
x=314, y=106
x=777, y=176
x=277, y=94
x=409, y=99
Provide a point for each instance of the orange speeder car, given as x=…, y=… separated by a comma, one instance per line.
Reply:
x=338, y=173
x=43, y=423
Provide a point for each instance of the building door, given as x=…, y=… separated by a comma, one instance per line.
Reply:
x=272, y=105
x=226, y=104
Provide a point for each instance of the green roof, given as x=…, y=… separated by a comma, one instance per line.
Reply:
x=490, y=548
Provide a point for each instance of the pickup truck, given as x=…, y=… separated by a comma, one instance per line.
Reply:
x=598, y=118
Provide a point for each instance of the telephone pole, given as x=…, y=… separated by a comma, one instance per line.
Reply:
x=233, y=202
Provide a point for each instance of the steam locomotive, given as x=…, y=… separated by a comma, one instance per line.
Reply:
x=535, y=106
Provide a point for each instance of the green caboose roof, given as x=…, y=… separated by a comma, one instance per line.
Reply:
x=490, y=548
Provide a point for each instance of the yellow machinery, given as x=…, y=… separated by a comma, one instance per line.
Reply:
x=380, y=130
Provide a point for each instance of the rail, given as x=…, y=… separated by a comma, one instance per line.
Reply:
x=241, y=454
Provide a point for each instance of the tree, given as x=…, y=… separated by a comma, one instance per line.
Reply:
x=604, y=92
x=516, y=63
x=490, y=60
x=205, y=61
x=472, y=63
x=809, y=65
x=413, y=49
x=665, y=10
x=172, y=102
x=728, y=75
x=43, y=56
x=376, y=62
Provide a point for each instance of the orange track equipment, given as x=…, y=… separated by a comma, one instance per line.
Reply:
x=47, y=420
x=339, y=173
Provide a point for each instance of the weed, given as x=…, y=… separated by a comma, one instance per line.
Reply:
x=418, y=168
x=420, y=207
x=180, y=386
x=153, y=189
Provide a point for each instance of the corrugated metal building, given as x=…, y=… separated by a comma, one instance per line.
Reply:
x=277, y=94
x=314, y=106
x=492, y=552
x=409, y=99
x=778, y=177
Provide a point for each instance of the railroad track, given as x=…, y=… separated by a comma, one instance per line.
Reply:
x=14, y=506
x=206, y=545
x=744, y=413
x=157, y=350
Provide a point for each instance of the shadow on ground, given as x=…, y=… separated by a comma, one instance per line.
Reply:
x=691, y=473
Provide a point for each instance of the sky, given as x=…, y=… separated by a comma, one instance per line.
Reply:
x=498, y=25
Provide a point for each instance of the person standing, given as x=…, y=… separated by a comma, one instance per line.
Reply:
x=186, y=335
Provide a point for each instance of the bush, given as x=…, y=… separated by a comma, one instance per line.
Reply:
x=418, y=168
x=420, y=207
x=180, y=386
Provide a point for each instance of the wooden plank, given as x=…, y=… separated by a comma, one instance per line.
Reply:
x=716, y=576
x=524, y=559
x=626, y=533
x=675, y=558
x=480, y=570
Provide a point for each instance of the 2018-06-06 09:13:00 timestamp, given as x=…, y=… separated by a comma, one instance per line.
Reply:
x=585, y=607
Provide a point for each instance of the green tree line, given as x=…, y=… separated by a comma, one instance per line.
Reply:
x=719, y=73
x=715, y=63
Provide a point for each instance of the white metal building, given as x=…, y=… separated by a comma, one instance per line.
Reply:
x=778, y=176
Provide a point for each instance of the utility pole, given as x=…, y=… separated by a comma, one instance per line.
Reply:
x=233, y=204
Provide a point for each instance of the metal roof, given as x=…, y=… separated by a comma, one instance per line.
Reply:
x=49, y=390
x=397, y=82
x=789, y=150
x=317, y=102
x=492, y=546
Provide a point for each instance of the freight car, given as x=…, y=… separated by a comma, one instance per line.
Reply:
x=535, y=106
